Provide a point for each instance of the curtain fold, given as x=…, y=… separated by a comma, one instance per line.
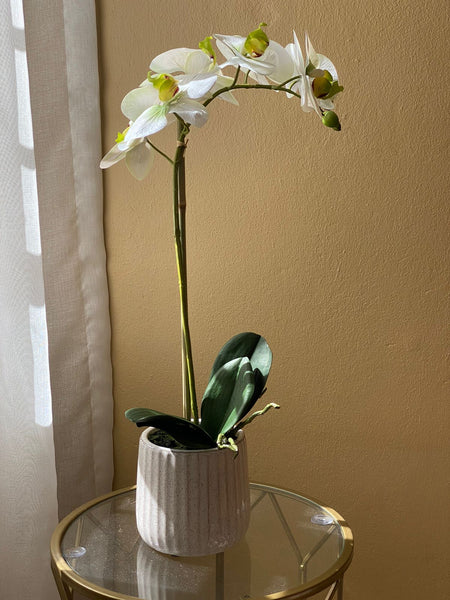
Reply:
x=55, y=369
x=66, y=124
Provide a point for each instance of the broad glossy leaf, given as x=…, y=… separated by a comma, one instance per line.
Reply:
x=255, y=348
x=183, y=431
x=228, y=397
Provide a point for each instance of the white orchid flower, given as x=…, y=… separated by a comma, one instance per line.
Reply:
x=138, y=156
x=318, y=80
x=152, y=107
x=256, y=54
x=232, y=47
x=303, y=85
x=284, y=65
x=190, y=61
x=248, y=53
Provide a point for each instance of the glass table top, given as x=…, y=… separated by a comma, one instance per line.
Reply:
x=293, y=544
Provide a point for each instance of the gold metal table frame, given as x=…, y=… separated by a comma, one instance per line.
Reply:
x=332, y=578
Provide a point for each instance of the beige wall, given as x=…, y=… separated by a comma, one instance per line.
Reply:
x=333, y=246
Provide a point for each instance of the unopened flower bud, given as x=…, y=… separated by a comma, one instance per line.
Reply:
x=330, y=119
x=257, y=41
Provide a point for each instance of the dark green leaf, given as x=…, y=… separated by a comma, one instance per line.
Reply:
x=228, y=397
x=251, y=345
x=256, y=349
x=183, y=431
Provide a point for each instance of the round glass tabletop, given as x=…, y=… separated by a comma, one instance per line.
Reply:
x=294, y=547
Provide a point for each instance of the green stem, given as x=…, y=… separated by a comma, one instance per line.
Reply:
x=254, y=86
x=190, y=410
x=187, y=403
x=159, y=151
x=236, y=76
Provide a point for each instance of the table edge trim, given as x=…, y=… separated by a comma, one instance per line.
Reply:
x=335, y=573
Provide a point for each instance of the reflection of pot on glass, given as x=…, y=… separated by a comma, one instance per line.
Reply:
x=214, y=577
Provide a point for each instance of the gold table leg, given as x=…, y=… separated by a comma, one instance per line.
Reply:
x=64, y=590
x=338, y=586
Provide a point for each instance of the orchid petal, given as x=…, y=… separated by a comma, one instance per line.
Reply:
x=310, y=52
x=228, y=97
x=190, y=111
x=308, y=101
x=298, y=56
x=139, y=100
x=229, y=44
x=149, y=122
x=171, y=61
x=139, y=160
x=196, y=86
x=222, y=82
x=261, y=79
x=255, y=65
x=231, y=47
x=197, y=62
x=284, y=65
x=326, y=103
x=319, y=61
x=303, y=86
x=326, y=64
x=112, y=157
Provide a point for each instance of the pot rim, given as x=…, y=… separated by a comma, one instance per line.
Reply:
x=240, y=439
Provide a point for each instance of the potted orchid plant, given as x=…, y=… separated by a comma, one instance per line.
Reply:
x=179, y=88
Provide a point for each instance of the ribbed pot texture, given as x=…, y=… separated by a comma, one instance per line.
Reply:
x=191, y=502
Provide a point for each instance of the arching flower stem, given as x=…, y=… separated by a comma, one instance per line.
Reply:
x=281, y=87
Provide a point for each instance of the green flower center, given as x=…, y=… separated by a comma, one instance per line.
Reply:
x=207, y=48
x=121, y=135
x=321, y=86
x=257, y=41
x=166, y=85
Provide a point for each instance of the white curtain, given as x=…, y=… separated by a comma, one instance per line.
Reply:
x=55, y=372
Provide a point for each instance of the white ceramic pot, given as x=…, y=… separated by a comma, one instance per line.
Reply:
x=191, y=502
